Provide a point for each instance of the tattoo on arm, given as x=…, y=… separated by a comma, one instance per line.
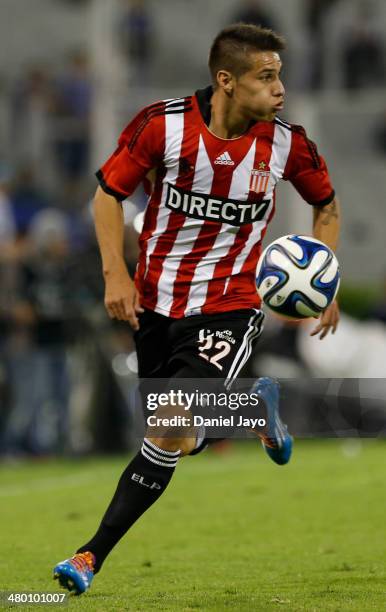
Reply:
x=328, y=213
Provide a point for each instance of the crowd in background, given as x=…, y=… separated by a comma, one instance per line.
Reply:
x=361, y=58
x=51, y=303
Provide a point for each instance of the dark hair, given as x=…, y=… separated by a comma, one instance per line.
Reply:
x=231, y=47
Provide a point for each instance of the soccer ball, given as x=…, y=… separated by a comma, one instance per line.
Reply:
x=297, y=276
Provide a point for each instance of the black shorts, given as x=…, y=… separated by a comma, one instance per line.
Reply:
x=200, y=346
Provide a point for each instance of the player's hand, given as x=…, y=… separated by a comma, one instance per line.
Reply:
x=328, y=321
x=122, y=299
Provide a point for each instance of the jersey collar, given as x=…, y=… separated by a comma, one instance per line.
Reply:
x=203, y=97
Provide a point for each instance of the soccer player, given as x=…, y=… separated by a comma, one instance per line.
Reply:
x=210, y=163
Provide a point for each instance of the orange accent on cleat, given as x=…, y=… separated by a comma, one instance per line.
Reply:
x=267, y=441
x=80, y=559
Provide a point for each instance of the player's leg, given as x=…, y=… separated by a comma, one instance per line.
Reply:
x=276, y=440
x=219, y=346
x=197, y=441
x=214, y=347
x=140, y=485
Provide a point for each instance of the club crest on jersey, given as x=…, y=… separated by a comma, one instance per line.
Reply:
x=259, y=178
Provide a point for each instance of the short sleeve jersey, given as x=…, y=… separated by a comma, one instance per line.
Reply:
x=210, y=201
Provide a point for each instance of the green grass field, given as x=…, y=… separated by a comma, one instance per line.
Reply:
x=232, y=532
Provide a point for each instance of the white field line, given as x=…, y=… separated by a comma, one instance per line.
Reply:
x=54, y=482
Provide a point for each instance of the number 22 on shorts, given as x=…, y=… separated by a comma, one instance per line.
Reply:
x=222, y=348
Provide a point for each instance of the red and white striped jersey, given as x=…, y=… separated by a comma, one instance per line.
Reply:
x=210, y=200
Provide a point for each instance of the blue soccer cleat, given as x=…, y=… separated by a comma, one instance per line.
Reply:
x=76, y=574
x=276, y=441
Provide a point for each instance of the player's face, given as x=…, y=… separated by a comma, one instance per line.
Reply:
x=259, y=93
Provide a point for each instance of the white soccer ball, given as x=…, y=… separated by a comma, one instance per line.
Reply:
x=297, y=276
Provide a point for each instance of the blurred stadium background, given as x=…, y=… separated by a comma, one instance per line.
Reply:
x=72, y=74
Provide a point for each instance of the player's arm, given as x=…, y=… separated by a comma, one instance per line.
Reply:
x=307, y=171
x=326, y=227
x=326, y=223
x=121, y=297
x=140, y=148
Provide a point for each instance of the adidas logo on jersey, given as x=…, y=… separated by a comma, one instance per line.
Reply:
x=224, y=159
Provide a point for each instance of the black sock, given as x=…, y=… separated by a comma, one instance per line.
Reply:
x=141, y=484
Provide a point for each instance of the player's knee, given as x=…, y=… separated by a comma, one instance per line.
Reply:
x=185, y=445
x=170, y=428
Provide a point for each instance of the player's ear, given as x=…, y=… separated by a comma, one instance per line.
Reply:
x=225, y=81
